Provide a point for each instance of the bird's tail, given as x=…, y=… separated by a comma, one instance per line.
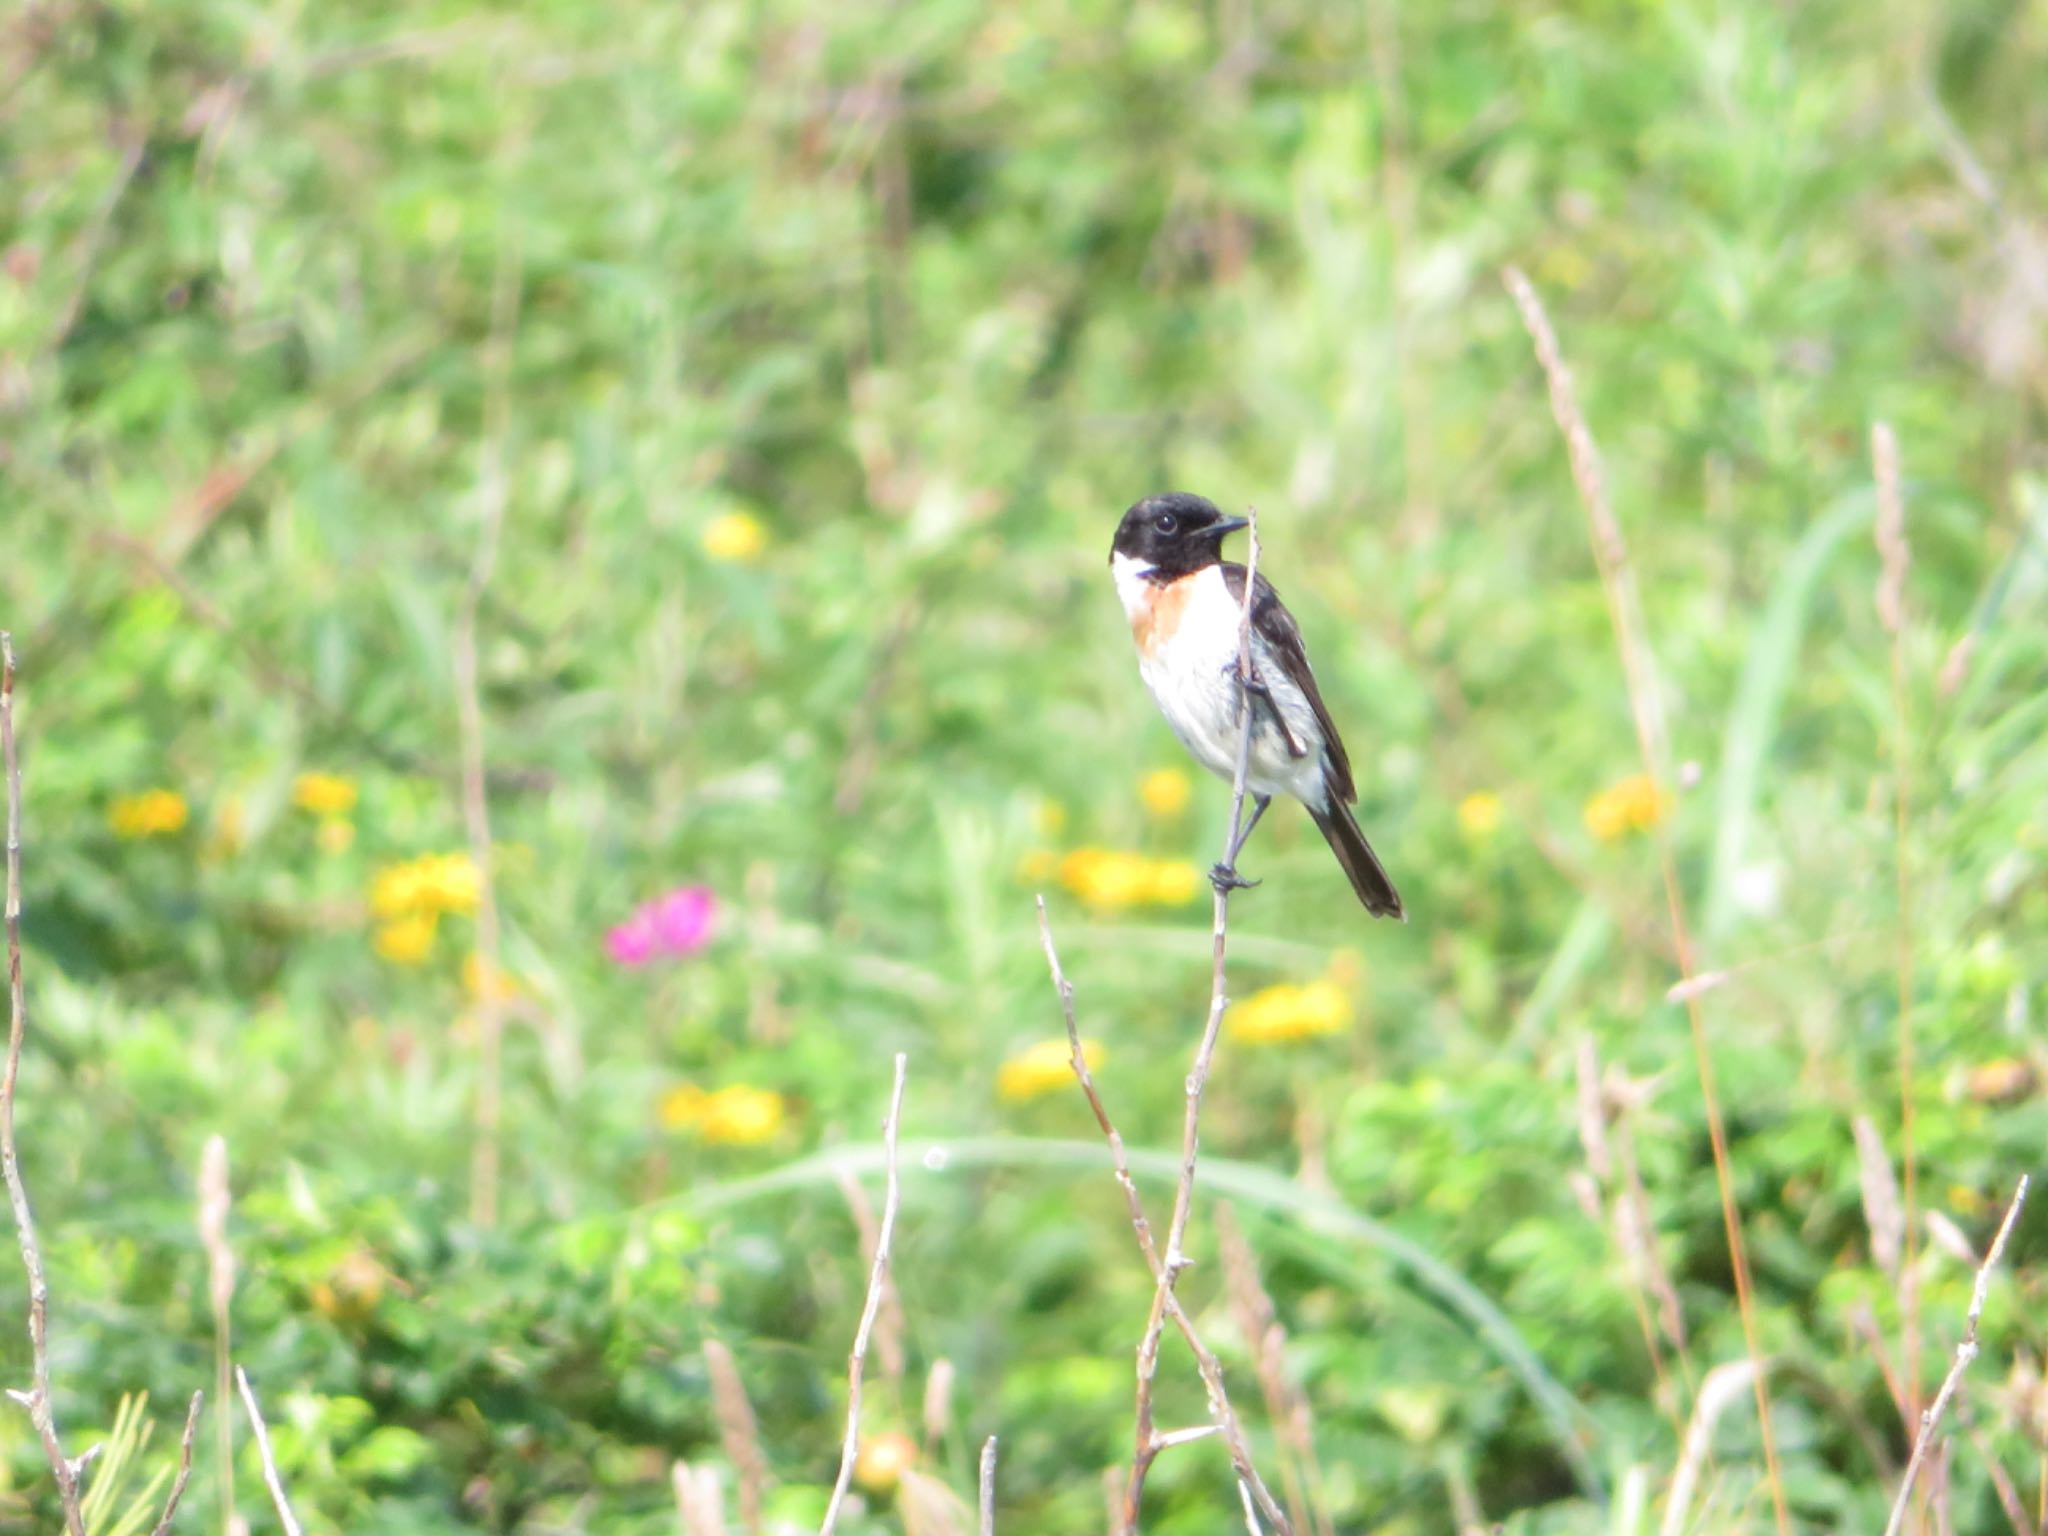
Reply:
x=1368, y=876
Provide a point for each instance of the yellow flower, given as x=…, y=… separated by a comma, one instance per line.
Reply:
x=734, y=1116
x=737, y=537
x=432, y=883
x=407, y=940
x=883, y=1460
x=324, y=794
x=1043, y=1068
x=474, y=971
x=1166, y=792
x=1172, y=882
x=1106, y=878
x=1634, y=804
x=336, y=835
x=153, y=813
x=1285, y=1013
x=1479, y=815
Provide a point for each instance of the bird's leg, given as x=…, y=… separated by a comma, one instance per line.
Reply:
x=1224, y=876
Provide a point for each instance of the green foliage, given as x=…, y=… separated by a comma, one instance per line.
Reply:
x=834, y=343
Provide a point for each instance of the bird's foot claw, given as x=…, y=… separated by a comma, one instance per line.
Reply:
x=1226, y=879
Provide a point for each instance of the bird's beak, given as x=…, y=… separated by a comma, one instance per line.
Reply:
x=1230, y=525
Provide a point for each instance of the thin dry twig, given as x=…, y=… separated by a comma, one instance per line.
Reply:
x=214, y=1205
x=1895, y=557
x=493, y=492
x=37, y=1399
x=737, y=1430
x=1624, y=609
x=271, y=1480
x=1265, y=1339
x=988, y=1488
x=1206, y=1363
x=889, y=1323
x=878, y=1274
x=1966, y=1351
x=163, y=1524
x=700, y=1507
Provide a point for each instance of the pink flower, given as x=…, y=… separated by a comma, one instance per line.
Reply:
x=683, y=919
x=634, y=941
x=676, y=923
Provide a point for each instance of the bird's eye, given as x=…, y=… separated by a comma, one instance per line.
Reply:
x=1166, y=522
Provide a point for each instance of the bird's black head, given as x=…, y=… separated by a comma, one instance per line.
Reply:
x=1173, y=534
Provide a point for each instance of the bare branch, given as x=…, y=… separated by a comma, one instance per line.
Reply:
x=1625, y=616
x=163, y=1524
x=878, y=1275
x=271, y=1480
x=1966, y=1351
x=37, y=1398
x=493, y=492
x=988, y=1487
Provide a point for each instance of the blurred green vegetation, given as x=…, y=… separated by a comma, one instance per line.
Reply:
x=820, y=349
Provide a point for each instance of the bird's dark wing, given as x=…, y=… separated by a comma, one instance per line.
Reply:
x=1276, y=626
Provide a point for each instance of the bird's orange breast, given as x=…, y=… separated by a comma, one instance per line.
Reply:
x=1158, y=620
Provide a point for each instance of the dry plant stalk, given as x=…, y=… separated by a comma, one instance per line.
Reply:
x=738, y=1430
x=1895, y=557
x=1166, y=1267
x=163, y=1523
x=214, y=1205
x=1258, y=1320
x=1624, y=611
x=271, y=1480
x=700, y=1506
x=37, y=1399
x=1206, y=1363
x=988, y=1488
x=1966, y=1351
x=889, y=1324
x=938, y=1403
x=1723, y=1385
x=493, y=492
x=878, y=1274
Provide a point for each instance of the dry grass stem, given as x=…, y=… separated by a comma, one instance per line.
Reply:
x=215, y=1203
x=2002, y=1484
x=493, y=492
x=1966, y=1351
x=1206, y=1362
x=1624, y=608
x=987, y=1525
x=938, y=1402
x=1723, y=1385
x=37, y=1399
x=889, y=1325
x=1895, y=557
x=163, y=1523
x=700, y=1506
x=878, y=1274
x=271, y=1480
x=1881, y=1211
x=1301, y=1473
x=738, y=1431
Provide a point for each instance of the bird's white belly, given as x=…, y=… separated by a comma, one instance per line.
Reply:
x=1193, y=678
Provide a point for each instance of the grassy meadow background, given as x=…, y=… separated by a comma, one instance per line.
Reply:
x=807, y=356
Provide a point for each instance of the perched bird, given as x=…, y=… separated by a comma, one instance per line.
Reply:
x=1186, y=604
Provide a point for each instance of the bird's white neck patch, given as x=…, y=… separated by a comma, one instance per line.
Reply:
x=1133, y=583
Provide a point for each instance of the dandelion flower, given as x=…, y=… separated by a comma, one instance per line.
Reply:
x=1037, y=866
x=1043, y=1068
x=735, y=1116
x=1172, y=882
x=153, y=813
x=476, y=976
x=1634, y=804
x=1165, y=792
x=1282, y=1014
x=324, y=794
x=1479, y=815
x=736, y=538
x=407, y=940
